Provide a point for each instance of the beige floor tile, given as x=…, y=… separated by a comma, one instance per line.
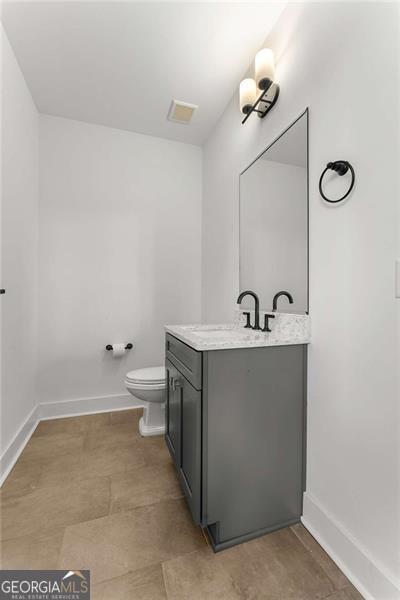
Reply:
x=29, y=552
x=49, y=447
x=353, y=593
x=111, y=437
x=251, y=577
x=274, y=567
x=122, y=542
x=144, y=584
x=99, y=462
x=143, y=486
x=127, y=416
x=155, y=451
x=338, y=579
x=348, y=593
x=198, y=576
x=73, y=425
x=23, y=479
x=47, y=508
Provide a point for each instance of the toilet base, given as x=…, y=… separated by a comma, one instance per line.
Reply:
x=153, y=420
x=146, y=430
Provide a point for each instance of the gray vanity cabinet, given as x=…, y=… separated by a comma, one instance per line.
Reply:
x=235, y=428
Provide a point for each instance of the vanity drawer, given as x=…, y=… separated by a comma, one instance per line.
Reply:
x=186, y=359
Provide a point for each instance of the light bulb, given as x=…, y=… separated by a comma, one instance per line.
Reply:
x=265, y=68
x=247, y=93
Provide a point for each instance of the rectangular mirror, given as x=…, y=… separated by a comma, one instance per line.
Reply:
x=274, y=221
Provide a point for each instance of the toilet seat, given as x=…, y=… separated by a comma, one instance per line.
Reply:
x=132, y=385
x=151, y=377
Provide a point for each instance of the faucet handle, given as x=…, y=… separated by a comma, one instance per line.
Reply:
x=248, y=324
x=267, y=317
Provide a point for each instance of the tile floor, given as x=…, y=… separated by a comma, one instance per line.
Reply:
x=90, y=493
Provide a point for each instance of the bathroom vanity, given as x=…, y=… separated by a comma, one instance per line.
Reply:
x=235, y=424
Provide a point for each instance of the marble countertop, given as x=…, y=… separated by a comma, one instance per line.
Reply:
x=287, y=329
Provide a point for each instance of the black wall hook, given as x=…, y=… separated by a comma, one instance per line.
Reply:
x=340, y=167
x=127, y=347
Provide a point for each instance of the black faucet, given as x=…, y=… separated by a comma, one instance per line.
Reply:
x=278, y=295
x=256, y=307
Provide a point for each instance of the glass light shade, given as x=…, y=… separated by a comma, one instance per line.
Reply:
x=248, y=95
x=265, y=68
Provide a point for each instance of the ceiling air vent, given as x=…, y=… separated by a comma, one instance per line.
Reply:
x=181, y=112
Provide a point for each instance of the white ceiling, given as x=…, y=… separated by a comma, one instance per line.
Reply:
x=120, y=64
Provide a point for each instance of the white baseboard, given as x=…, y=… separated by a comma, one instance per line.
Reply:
x=17, y=444
x=58, y=410
x=371, y=579
x=87, y=406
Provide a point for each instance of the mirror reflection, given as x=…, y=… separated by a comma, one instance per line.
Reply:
x=274, y=221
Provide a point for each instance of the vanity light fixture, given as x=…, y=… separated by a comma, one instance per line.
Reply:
x=264, y=81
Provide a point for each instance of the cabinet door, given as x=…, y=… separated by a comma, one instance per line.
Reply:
x=183, y=434
x=190, y=466
x=173, y=414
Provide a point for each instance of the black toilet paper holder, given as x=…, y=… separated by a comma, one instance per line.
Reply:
x=127, y=347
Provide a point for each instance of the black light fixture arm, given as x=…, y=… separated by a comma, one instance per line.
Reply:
x=269, y=97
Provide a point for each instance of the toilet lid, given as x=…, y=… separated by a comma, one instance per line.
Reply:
x=151, y=375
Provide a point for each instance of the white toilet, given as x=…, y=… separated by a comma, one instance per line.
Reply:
x=149, y=385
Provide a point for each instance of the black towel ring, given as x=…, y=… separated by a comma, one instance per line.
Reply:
x=341, y=167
